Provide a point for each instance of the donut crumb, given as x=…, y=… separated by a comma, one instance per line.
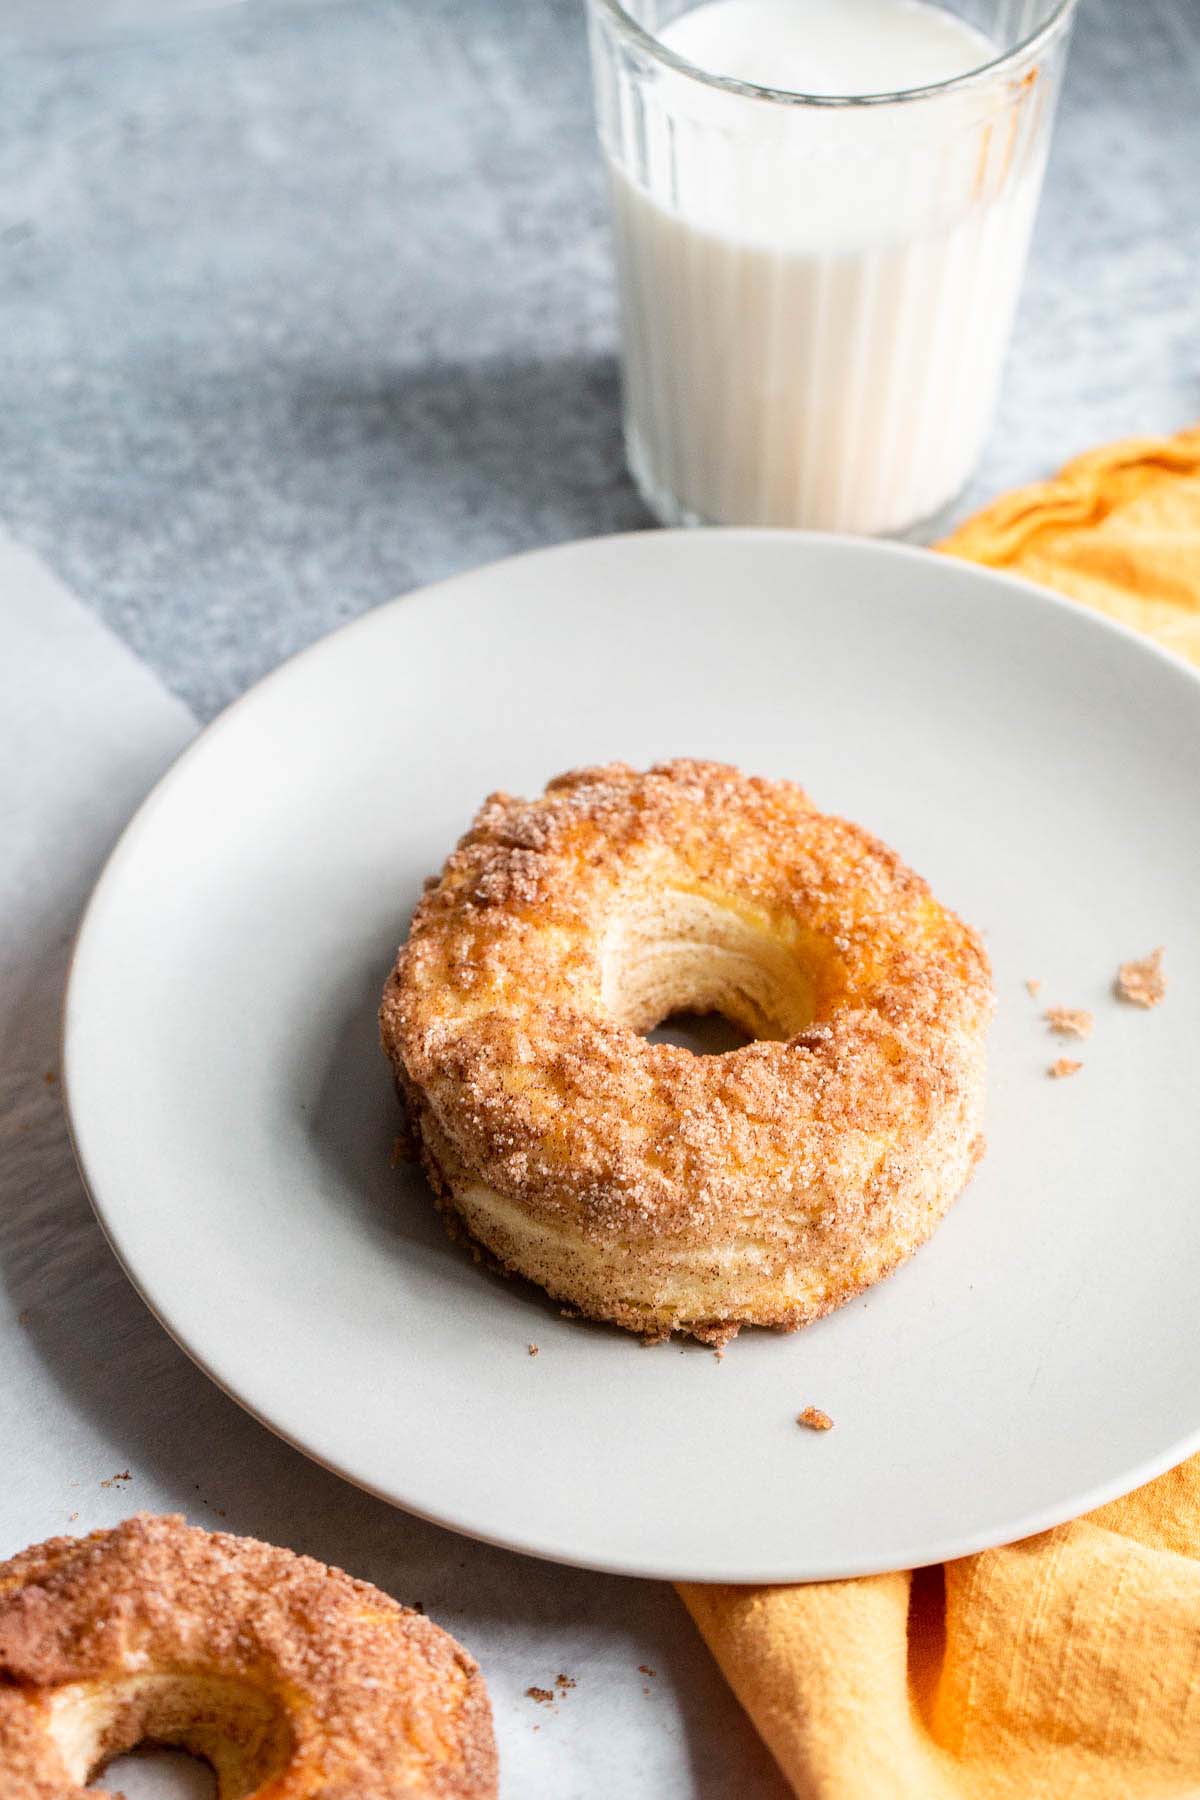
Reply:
x=1065, y=1065
x=533, y=1349
x=814, y=1419
x=1070, y=1021
x=543, y=1696
x=563, y=1682
x=645, y=1669
x=116, y=1480
x=1033, y=986
x=1142, y=982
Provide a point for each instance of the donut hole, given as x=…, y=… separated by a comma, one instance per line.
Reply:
x=234, y=1726
x=704, y=1034
x=155, y=1774
x=681, y=954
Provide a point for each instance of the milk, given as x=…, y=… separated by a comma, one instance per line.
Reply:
x=816, y=300
x=829, y=46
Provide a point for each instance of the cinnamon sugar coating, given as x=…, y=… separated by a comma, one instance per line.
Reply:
x=292, y=1679
x=639, y=1182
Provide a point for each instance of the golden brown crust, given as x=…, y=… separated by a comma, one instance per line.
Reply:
x=287, y=1673
x=513, y=1015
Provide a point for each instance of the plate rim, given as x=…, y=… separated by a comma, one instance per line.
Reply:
x=967, y=1544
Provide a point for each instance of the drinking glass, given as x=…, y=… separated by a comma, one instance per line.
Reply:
x=817, y=292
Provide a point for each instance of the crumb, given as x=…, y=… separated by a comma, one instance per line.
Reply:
x=1069, y=1021
x=221, y=1512
x=645, y=1669
x=815, y=1419
x=1142, y=981
x=50, y=1078
x=114, y=1480
x=71, y=1518
x=1033, y=986
x=537, y=1728
x=567, y=1312
x=563, y=1682
x=533, y=1350
x=1066, y=1065
x=543, y=1696
x=719, y=1353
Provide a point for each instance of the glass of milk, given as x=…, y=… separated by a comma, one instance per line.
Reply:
x=822, y=210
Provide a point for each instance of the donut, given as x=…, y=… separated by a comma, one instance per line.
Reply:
x=639, y=1182
x=293, y=1680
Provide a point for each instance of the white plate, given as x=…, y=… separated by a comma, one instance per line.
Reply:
x=234, y=1116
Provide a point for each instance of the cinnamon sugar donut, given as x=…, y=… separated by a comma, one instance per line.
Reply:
x=293, y=1680
x=637, y=1181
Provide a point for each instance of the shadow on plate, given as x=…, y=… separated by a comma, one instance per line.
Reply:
x=355, y=1123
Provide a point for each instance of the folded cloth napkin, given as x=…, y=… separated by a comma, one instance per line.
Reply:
x=1118, y=528
x=1067, y=1666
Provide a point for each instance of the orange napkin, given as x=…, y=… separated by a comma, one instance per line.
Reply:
x=1118, y=529
x=1066, y=1667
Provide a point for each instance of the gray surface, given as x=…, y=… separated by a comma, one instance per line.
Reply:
x=303, y=305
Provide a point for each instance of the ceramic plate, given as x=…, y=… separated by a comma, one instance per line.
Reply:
x=234, y=1116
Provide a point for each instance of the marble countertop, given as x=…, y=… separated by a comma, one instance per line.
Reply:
x=303, y=305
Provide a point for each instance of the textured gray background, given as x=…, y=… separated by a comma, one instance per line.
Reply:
x=302, y=305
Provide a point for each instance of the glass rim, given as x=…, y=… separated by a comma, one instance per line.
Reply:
x=1058, y=18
